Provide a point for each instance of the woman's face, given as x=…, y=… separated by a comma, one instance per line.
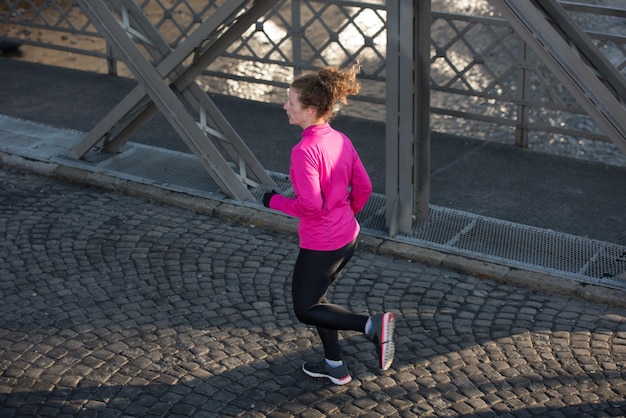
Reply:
x=297, y=114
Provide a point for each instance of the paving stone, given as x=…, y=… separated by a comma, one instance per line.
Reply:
x=118, y=305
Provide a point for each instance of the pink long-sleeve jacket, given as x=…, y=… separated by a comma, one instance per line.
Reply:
x=330, y=185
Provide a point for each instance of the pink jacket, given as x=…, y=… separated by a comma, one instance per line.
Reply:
x=330, y=185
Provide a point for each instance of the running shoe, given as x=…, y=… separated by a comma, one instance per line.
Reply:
x=338, y=375
x=381, y=334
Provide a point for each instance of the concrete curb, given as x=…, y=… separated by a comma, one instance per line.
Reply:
x=238, y=213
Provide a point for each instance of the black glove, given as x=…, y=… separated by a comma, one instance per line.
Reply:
x=267, y=197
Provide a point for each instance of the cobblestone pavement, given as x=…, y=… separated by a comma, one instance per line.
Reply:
x=114, y=305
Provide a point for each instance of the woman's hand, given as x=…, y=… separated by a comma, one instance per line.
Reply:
x=267, y=197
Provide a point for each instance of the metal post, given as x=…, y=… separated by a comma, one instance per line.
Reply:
x=408, y=114
x=111, y=61
x=296, y=37
x=521, y=128
x=422, y=109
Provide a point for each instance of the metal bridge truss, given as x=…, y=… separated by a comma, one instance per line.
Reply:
x=479, y=71
x=484, y=78
x=591, y=79
x=167, y=85
x=595, y=83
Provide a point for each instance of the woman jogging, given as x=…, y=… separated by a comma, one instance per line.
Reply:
x=330, y=186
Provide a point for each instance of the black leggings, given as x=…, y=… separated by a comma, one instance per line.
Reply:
x=313, y=273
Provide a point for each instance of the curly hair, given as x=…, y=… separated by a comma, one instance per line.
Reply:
x=323, y=89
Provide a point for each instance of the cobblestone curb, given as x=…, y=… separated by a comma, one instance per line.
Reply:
x=239, y=213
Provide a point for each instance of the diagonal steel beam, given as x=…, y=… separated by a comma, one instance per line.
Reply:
x=207, y=43
x=594, y=58
x=131, y=103
x=215, y=124
x=165, y=99
x=556, y=51
x=184, y=81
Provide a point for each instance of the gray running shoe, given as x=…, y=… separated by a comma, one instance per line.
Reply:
x=338, y=375
x=382, y=335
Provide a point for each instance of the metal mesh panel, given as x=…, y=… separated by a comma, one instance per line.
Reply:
x=170, y=169
x=508, y=243
x=449, y=230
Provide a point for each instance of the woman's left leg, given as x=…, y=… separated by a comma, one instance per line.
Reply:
x=314, y=272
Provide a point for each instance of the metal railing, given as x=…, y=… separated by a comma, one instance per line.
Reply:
x=484, y=79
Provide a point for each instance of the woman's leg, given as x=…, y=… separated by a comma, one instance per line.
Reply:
x=313, y=273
